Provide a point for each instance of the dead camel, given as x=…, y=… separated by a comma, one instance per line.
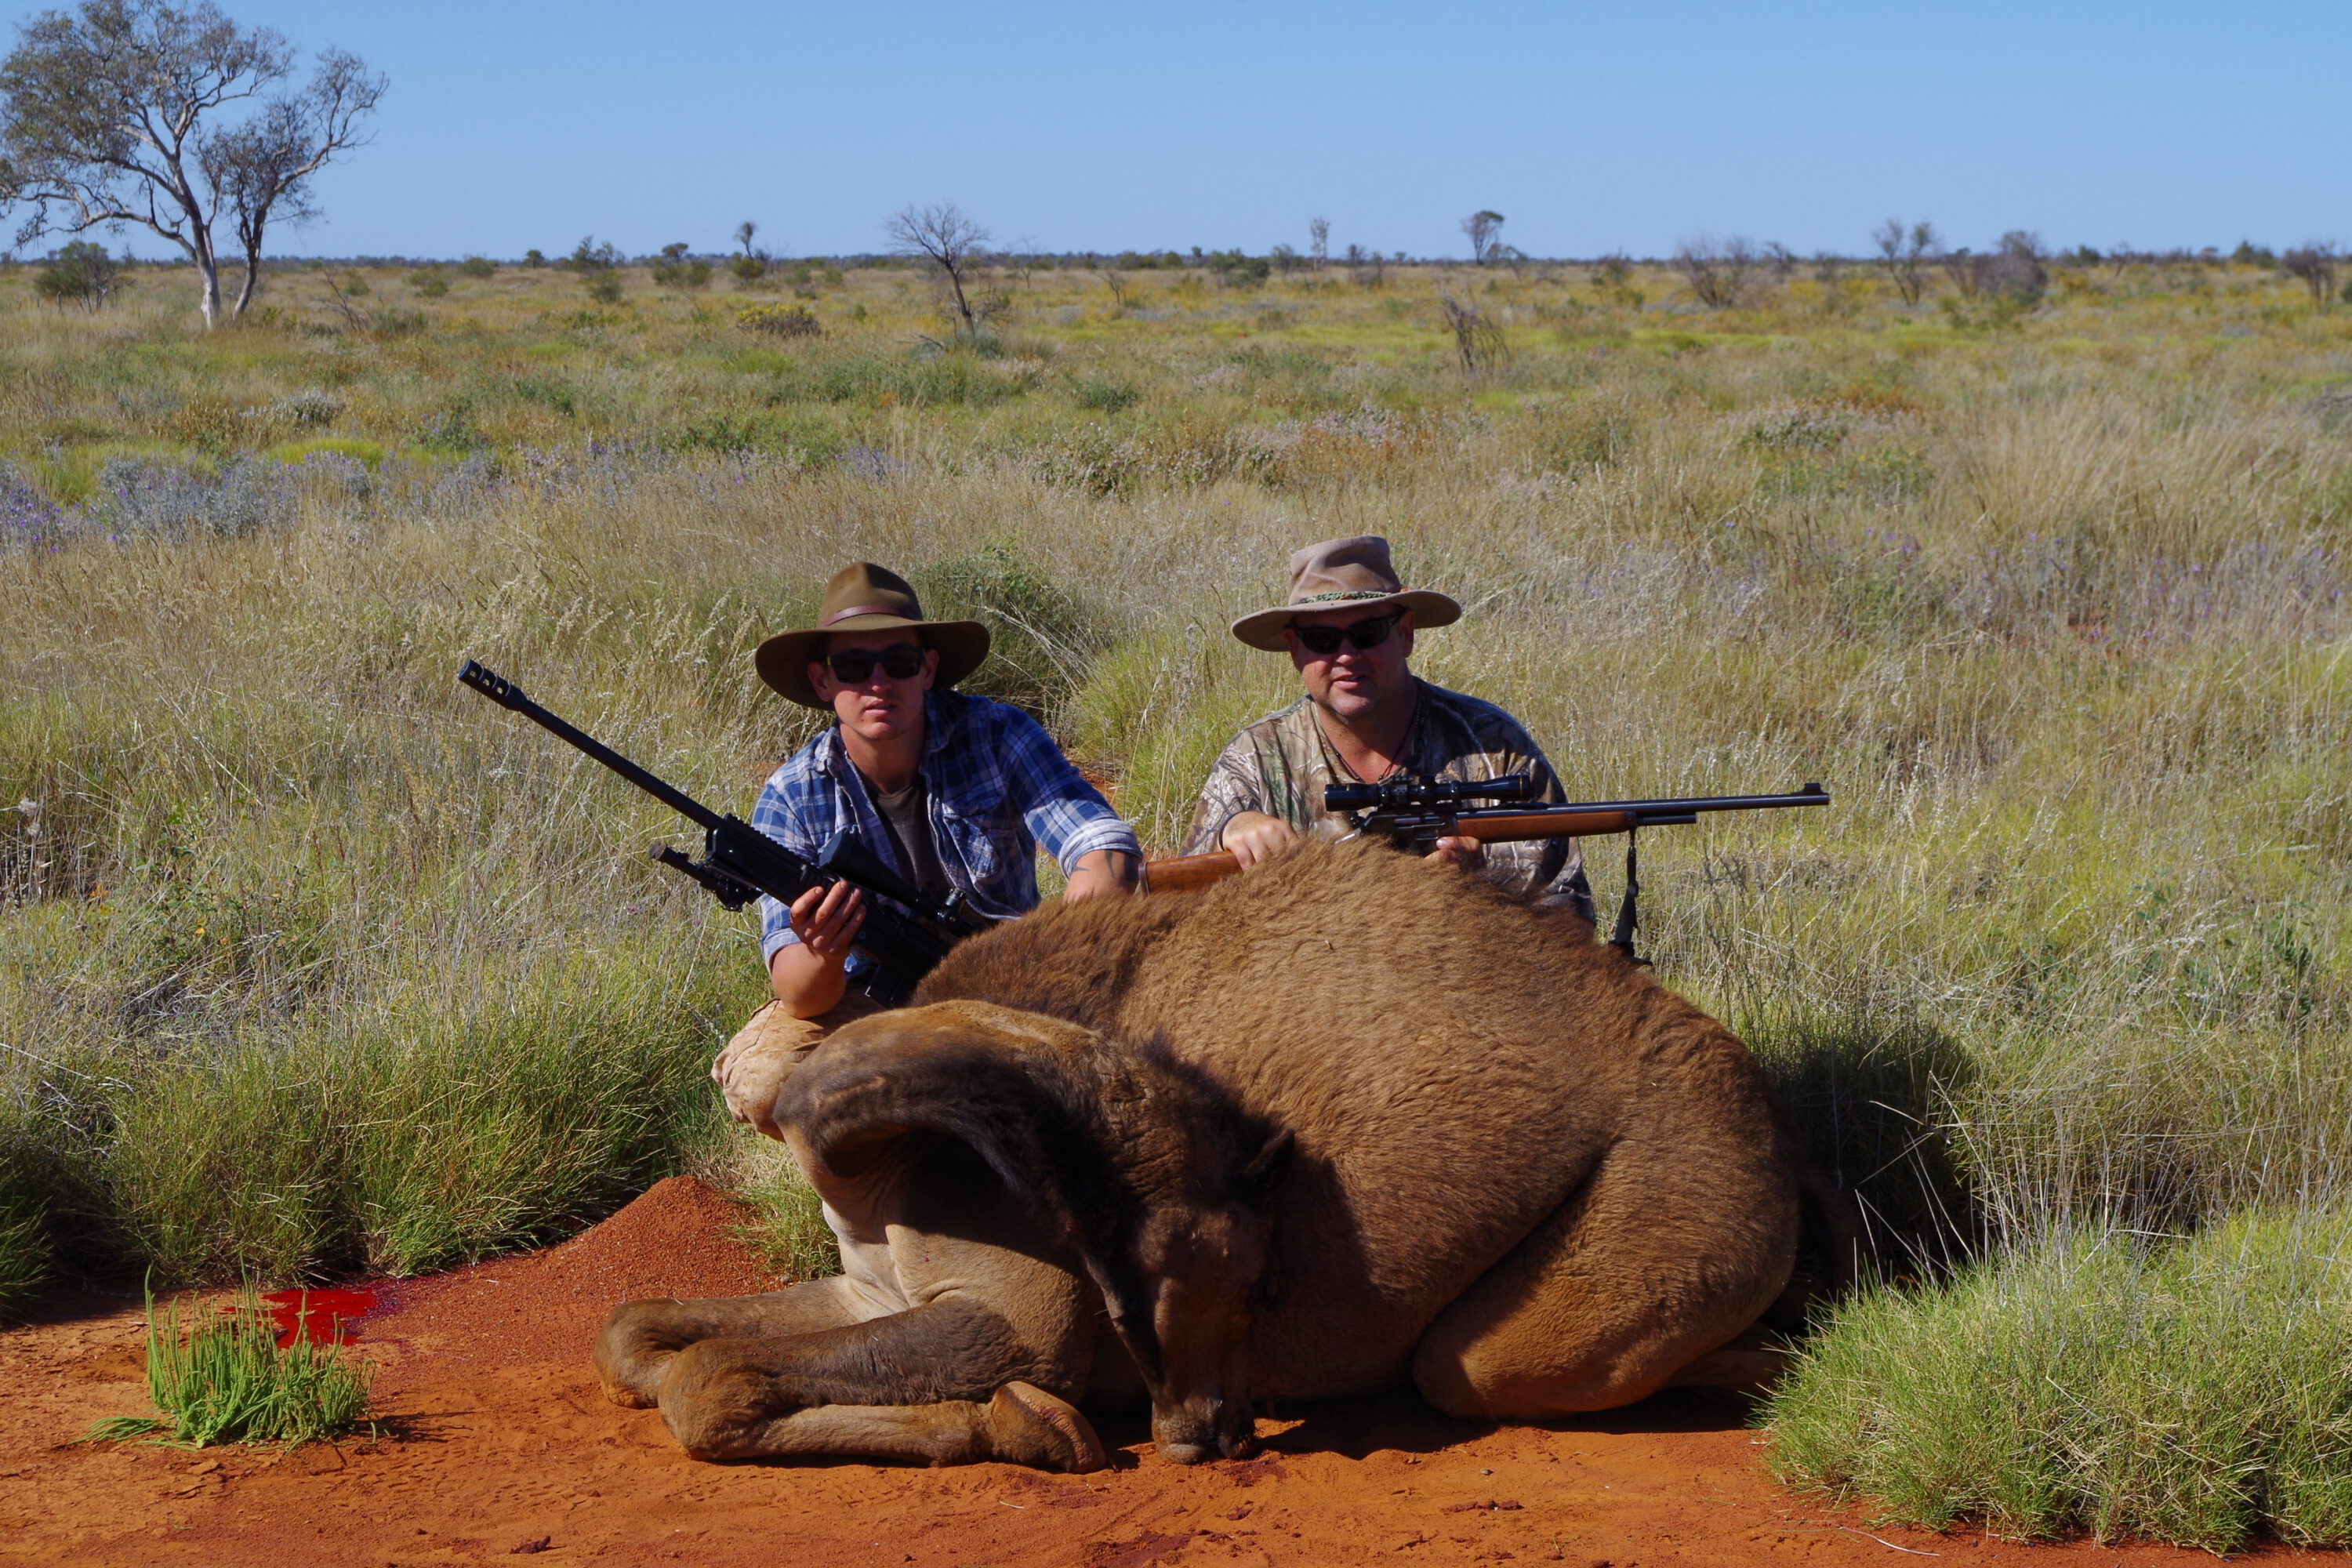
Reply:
x=1352, y=1119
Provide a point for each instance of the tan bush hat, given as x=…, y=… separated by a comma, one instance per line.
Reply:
x=1341, y=574
x=864, y=597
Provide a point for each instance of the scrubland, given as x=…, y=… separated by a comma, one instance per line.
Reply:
x=311, y=962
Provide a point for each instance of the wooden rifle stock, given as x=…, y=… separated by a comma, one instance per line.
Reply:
x=1190, y=874
x=1517, y=827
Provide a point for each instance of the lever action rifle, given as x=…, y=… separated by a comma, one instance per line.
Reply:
x=1413, y=814
x=739, y=863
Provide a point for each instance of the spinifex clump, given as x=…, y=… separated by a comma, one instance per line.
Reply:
x=226, y=1379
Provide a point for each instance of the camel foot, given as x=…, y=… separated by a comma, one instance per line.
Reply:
x=628, y=1398
x=1027, y=1426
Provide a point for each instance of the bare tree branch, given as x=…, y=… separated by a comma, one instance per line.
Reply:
x=262, y=168
x=950, y=241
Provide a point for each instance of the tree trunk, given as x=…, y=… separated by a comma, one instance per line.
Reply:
x=208, y=271
x=252, y=279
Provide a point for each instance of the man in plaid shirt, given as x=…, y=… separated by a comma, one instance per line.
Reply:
x=957, y=793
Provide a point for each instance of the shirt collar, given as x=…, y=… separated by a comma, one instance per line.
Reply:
x=942, y=721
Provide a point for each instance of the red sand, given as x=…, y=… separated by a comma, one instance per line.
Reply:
x=497, y=1442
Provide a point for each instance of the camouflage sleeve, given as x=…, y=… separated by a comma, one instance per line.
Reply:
x=1548, y=870
x=1235, y=784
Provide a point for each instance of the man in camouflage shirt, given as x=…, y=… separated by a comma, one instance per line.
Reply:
x=1348, y=626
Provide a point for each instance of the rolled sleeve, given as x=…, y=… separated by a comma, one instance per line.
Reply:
x=1067, y=816
x=777, y=816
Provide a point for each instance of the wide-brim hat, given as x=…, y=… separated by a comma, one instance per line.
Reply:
x=1342, y=575
x=864, y=597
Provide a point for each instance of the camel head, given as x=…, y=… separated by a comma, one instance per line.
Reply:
x=1191, y=1272
x=1160, y=1184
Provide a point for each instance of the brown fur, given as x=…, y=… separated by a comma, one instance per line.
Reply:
x=1455, y=1067
x=1522, y=1173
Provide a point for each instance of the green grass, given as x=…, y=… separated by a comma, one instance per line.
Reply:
x=223, y=1378
x=310, y=961
x=2196, y=1391
x=787, y=1228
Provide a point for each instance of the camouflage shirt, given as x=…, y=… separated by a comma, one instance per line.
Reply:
x=1280, y=764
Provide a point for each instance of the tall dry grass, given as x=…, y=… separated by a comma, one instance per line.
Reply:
x=317, y=962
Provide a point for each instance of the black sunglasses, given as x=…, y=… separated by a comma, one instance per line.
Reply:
x=1369, y=632
x=855, y=666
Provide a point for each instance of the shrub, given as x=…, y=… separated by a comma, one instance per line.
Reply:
x=2316, y=265
x=749, y=267
x=26, y=1173
x=483, y=267
x=82, y=273
x=226, y=1379
x=1717, y=273
x=603, y=287
x=141, y=497
x=779, y=321
x=1106, y=395
x=1041, y=637
x=307, y=410
x=592, y=256
x=432, y=282
x=534, y=257
x=2199, y=1393
x=28, y=520
x=673, y=270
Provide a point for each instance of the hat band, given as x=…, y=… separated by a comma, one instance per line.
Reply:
x=1347, y=594
x=840, y=616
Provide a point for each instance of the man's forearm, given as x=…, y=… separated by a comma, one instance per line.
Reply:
x=805, y=984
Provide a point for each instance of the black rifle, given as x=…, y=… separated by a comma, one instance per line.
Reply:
x=739, y=863
x=1414, y=814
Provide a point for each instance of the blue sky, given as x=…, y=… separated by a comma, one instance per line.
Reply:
x=515, y=123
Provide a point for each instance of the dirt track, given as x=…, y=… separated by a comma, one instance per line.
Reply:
x=496, y=1442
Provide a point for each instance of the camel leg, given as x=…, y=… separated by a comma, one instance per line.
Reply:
x=640, y=1339
x=947, y=1381
x=1021, y=1425
x=1664, y=1254
x=1750, y=1364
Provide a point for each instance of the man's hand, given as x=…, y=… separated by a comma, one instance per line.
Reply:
x=1101, y=871
x=1467, y=853
x=1252, y=835
x=826, y=920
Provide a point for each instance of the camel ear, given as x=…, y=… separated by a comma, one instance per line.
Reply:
x=1266, y=1168
x=940, y=1070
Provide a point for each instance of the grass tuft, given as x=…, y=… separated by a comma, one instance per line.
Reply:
x=2197, y=1392
x=223, y=1378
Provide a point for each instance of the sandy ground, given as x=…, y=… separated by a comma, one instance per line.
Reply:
x=495, y=1442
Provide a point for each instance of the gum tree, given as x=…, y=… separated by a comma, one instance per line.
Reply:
x=1483, y=229
x=176, y=121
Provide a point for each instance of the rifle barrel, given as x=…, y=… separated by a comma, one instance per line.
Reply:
x=507, y=694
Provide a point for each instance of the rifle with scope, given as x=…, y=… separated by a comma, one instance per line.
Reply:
x=739, y=863
x=1413, y=814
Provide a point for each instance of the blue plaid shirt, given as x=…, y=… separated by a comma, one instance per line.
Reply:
x=997, y=788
